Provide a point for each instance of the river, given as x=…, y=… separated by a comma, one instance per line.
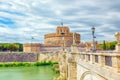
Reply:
x=27, y=73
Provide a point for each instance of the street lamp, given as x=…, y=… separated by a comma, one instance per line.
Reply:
x=93, y=31
x=31, y=43
x=63, y=40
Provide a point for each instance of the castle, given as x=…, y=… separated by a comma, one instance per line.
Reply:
x=54, y=41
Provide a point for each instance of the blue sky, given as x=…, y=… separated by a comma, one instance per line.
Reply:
x=21, y=19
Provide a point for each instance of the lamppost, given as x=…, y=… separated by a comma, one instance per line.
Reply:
x=93, y=31
x=31, y=43
x=63, y=40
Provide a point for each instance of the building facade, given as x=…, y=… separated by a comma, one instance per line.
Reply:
x=54, y=41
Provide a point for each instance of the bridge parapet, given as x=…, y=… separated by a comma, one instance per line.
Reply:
x=111, y=60
x=101, y=66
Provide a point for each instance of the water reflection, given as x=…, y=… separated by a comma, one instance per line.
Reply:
x=27, y=73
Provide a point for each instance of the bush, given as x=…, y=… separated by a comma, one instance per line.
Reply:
x=26, y=64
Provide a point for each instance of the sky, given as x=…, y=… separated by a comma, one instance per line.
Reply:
x=22, y=19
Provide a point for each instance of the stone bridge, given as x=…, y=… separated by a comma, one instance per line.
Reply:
x=89, y=66
x=77, y=65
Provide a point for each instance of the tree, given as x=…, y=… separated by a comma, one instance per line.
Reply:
x=20, y=46
x=11, y=47
x=1, y=47
x=104, y=45
x=112, y=45
x=6, y=46
x=14, y=47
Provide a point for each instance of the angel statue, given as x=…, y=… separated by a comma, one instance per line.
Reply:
x=117, y=35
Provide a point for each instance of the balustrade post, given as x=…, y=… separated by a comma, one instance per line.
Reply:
x=82, y=56
x=92, y=58
x=116, y=63
x=86, y=57
x=101, y=60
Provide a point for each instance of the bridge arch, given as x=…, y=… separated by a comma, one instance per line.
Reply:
x=88, y=75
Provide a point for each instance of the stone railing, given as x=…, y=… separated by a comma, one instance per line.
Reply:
x=108, y=60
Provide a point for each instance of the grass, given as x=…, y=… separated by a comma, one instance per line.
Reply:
x=26, y=64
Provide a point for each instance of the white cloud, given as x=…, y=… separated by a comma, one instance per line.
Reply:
x=39, y=17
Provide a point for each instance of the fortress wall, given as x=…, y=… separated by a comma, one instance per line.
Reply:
x=53, y=40
x=58, y=40
x=31, y=49
x=49, y=49
x=26, y=49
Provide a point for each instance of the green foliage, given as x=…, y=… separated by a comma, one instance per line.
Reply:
x=111, y=45
x=14, y=47
x=1, y=47
x=25, y=64
x=54, y=63
x=11, y=47
x=20, y=47
x=53, y=68
x=108, y=45
x=6, y=46
x=43, y=63
x=104, y=45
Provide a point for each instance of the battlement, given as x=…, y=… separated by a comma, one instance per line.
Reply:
x=64, y=29
x=58, y=32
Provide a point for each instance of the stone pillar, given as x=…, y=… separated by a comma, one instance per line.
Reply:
x=72, y=71
x=86, y=57
x=117, y=36
x=116, y=63
x=101, y=60
x=62, y=66
x=72, y=67
x=92, y=58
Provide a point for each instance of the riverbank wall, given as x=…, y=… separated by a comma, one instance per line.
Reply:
x=27, y=57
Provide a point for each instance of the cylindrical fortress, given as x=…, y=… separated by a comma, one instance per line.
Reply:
x=56, y=38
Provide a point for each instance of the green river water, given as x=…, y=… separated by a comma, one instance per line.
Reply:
x=27, y=73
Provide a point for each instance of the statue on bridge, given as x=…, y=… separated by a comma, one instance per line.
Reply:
x=117, y=35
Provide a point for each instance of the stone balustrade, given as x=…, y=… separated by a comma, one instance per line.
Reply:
x=111, y=60
x=81, y=66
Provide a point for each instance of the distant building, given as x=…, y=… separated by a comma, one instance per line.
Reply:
x=56, y=38
x=54, y=41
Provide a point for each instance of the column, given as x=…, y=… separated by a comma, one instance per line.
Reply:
x=116, y=63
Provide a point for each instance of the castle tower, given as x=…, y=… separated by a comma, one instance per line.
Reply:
x=56, y=38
